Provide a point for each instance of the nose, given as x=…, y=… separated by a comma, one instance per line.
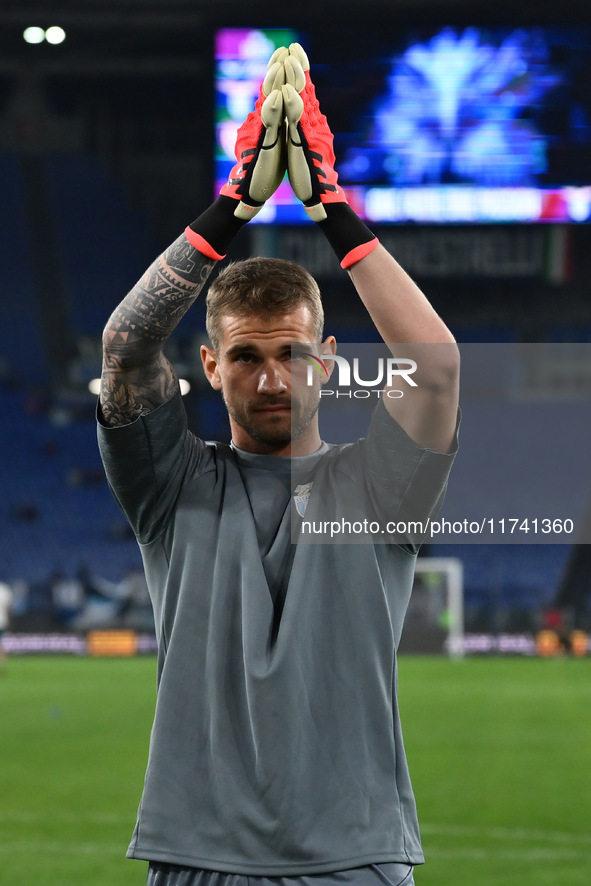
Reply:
x=271, y=380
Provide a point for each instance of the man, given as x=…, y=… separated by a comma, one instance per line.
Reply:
x=6, y=602
x=276, y=748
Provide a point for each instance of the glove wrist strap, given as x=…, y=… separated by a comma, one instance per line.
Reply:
x=212, y=233
x=349, y=237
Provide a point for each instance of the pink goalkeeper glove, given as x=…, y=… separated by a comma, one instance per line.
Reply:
x=260, y=167
x=311, y=164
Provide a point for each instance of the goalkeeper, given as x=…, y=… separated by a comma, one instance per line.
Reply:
x=276, y=749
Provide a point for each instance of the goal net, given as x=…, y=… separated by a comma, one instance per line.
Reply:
x=434, y=621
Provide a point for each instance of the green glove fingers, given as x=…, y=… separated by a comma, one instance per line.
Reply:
x=270, y=163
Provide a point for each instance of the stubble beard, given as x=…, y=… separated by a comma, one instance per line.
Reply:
x=264, y=431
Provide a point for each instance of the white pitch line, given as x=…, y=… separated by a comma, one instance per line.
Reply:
x=523, y=854
x=59, y=847
x=65, y=818
x=497, y=833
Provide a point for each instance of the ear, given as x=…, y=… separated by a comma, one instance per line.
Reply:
x=209, y=359
x=328, y=346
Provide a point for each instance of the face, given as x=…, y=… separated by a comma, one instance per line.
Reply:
x=262, y=378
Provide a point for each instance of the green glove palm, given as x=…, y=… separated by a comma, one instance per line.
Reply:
x=260, y=145
x=260, y=166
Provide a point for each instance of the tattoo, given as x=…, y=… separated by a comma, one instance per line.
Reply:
x=123, y=399
x=137, y=377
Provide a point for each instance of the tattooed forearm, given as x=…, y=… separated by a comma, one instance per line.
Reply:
x=156, y=304
x=136, y=376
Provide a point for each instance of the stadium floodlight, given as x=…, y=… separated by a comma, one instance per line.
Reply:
x=33, y=35
x=55, y=35
x=94, y=386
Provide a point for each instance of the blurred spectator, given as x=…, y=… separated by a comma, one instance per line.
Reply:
x=5, y=611
x=68, y=597
x=20, y=594
x=79, y=476
x=39, y=615
x=8, y=381
x=25, y=512
x=134, y=590
x=110, y=604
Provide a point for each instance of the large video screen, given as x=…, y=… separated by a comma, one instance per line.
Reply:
x=448, y=125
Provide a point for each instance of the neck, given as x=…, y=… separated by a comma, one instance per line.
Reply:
x=307, y=443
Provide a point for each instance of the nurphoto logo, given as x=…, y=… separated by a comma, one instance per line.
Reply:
x=388, y=369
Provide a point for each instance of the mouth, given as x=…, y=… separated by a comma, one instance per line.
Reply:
x=271, y=410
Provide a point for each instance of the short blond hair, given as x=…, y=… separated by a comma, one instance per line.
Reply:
x=266, y=287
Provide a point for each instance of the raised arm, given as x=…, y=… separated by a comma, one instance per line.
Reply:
x=408, y=322
x=136, y=376
x=398, y=308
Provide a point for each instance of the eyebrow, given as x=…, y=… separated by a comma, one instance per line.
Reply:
x=236, y=350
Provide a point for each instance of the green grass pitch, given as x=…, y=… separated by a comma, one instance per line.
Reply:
x=499, y=750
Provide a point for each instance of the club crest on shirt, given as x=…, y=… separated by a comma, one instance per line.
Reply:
x=301, y=494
